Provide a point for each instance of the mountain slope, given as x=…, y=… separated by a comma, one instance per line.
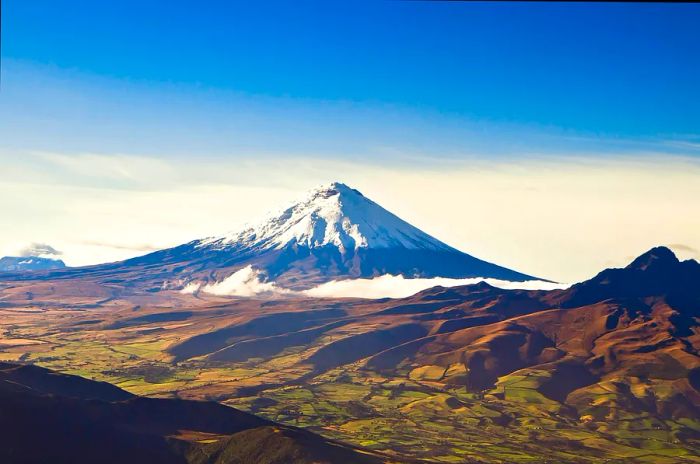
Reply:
x=335, y=215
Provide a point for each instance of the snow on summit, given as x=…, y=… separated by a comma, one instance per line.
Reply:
x=334, y=233
x=333, y=214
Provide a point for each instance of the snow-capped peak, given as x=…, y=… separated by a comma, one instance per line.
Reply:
x=333, y=214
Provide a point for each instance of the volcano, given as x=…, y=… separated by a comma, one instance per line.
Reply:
x=334, y=233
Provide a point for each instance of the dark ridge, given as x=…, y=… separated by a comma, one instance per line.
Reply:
x=356, y=347
x=88, y=322
x=172, y=316
x=270, y=346
x=415, y=308
x=451, y=293
x=44, y=381
x=389, y=359
x=276, y=445
x=465, y=323
x=70, y=424
x=566, y=378
x=263, y=326
x=694, y=378
x=656, y=273
x=658, y=256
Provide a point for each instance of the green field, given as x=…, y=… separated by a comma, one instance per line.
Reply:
x=412, y=411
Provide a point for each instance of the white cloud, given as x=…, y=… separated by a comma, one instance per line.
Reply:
x=244, y=282
x=115, y=167
x=249, y=282
x=43, y=250
x=191, y=288
x=397, y=286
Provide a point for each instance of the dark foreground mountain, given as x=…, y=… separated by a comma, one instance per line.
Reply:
x=53, y=418
x=334, y=233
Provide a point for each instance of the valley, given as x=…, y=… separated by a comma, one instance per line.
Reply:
x=607, y=370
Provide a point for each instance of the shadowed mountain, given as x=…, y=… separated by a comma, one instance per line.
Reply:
x=29, y=263
x=656, y=273
x=49, y=417
x=636, y=324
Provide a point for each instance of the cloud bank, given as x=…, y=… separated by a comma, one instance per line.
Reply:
x=244, y=282
x=397, y=286
x=248, y=282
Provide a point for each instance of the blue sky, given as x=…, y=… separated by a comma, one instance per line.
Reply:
x=461, y=73
x=555, y=139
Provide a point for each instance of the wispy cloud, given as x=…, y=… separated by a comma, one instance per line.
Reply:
x=119, y=170
x=686, y=250
x=121, y=246
x=680, y=246
x=39, y=249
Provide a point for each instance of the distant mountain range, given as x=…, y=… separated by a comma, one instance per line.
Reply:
x=29, y=263
x=334, y=233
